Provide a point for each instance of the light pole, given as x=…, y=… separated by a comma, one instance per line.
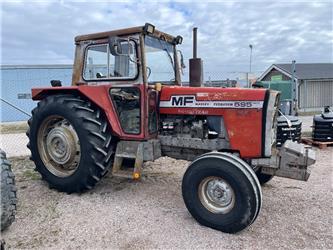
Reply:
x=250, y=46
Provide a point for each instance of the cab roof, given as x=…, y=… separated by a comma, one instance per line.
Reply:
x=123, y=32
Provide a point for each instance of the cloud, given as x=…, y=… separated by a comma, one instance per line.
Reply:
x=43, y=32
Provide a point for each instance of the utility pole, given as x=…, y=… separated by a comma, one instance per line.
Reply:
x=251, y=47
x=294, y=88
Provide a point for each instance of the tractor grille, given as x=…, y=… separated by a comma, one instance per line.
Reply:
x=323, y=127
x=270, y=123
x=286, y=132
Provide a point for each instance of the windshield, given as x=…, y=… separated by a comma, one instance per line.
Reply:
x=159, y=61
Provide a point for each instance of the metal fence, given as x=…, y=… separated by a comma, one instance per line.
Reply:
x=16, y=83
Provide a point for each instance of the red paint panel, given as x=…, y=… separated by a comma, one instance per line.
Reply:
x=243, y=125
x=100, y=96
x=244, y=128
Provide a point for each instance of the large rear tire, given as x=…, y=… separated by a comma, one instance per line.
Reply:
x=70, y=142
x=222, y=192
x=8, y=193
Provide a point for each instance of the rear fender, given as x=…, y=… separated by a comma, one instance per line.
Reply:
x=99, y=95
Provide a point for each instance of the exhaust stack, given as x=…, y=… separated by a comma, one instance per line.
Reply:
x=196, y=74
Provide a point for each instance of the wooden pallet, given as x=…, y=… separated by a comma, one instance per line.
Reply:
x=319, y=144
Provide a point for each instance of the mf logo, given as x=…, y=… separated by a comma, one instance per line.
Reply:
x=182, y=100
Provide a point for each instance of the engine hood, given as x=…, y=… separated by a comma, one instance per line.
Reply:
x=248, y=114
x=207, y=100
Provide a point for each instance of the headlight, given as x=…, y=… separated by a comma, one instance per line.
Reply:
x=149, y=28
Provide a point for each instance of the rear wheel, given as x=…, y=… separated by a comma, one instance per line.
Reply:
x=70, y=142
x=222, y=192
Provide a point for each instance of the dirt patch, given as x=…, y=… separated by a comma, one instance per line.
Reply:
x=150, y=213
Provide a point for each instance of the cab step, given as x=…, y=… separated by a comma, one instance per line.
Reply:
x=128, y=150
x=139, y=151
x=125, y=155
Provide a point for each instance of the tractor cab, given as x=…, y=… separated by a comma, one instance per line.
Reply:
x=139, y=55
x=131, y=62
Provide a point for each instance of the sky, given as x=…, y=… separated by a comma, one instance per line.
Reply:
x=42, y=32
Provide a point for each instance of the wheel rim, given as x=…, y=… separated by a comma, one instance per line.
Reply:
x=216, y=195
x=58, y=146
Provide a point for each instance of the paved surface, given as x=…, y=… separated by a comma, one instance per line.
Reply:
x=150, y=214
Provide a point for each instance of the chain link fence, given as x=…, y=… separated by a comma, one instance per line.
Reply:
x=16, y=84
x=16, y=104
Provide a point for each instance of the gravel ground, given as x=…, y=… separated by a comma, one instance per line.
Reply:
x=122, y=214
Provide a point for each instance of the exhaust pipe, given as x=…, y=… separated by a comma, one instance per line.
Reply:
x=196, y=72
x=195, y=42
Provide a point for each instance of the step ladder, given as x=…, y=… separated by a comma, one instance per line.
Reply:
x=128, y=150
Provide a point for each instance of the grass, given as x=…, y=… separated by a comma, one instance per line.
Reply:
x=31, y=174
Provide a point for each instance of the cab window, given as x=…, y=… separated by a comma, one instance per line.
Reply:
x=100, y=64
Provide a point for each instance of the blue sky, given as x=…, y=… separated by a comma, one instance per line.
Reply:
x=42, y=32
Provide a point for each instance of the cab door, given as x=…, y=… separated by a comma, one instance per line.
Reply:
x=152, y=113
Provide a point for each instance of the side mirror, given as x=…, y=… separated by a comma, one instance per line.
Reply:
x=120, y=47
x=115, y=46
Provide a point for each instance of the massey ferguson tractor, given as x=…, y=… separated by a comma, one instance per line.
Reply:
x=127, y=105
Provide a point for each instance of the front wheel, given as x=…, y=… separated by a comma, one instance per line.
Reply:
x=222, y=192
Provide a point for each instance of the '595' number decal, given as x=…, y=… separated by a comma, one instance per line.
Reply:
x=243, y=104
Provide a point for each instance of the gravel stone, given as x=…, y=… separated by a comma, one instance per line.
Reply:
x=150, y=214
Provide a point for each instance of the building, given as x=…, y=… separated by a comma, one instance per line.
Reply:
x=221, y=83
x=314, y=81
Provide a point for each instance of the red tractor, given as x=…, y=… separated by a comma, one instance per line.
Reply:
x=127, y=105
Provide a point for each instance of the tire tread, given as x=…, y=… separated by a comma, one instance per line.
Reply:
x=8, y=193
x=94, y=124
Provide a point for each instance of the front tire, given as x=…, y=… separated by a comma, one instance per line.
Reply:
x=70, y=142
x=222, y=192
